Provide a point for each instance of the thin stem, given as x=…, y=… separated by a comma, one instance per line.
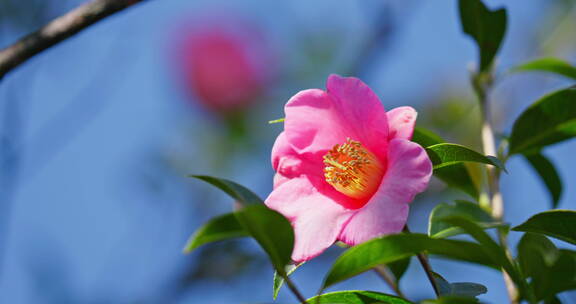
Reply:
x=423, y=259
x=482, y=83
x=384, y=274
x=294, y=290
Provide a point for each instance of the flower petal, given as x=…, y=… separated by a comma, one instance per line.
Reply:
x=289, y=164
x=401, y=122
x=317, y=220
x=364, y=114
x=313, y=123
x=409, y=170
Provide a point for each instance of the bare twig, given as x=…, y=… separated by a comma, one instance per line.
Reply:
x=385, y=275
x=423, y=259
x=58, y=30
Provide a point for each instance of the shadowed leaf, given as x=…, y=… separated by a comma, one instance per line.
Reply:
x=486, y=27
x=547, y=172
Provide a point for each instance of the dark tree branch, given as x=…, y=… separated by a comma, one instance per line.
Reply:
x=58, y=30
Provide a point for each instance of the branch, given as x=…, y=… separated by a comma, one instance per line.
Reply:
x=58, y=30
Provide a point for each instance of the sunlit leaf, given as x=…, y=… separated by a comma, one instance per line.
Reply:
x=236, y=191
x=218, y=229
x=547, y=172
x=471, y=211
x=486, y=27
x=271, y=230
x=278, y=280
x=456, y=175
x=560, y=224
x=356, y=297
x=395, y=247
x=550, y=120
x=549, y=65
x=446, y=154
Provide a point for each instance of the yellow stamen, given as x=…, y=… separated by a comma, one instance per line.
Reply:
x=352, y=169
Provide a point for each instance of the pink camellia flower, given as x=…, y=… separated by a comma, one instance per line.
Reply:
x=345, y=168
x=225, y=62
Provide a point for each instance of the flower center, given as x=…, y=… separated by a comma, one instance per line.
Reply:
x=352, y=169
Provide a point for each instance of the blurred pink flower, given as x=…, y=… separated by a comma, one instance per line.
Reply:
x=224, y=63
x=345, y=168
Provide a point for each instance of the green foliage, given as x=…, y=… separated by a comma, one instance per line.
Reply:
x=547, y=172
x=437, y=228
x=492, y=249
x=456, y=175
x=443, y=155
x=278, y=280
x=460, y=289
x=236, y=191
x=398, y=268
x=550, y=120
x=269, y=228
x=486, y=27
x=356, y=297
x=218, y=229
x=552, y=270
x=272, y=231
x=549, y=65
x=395, y=247
x=560, y=224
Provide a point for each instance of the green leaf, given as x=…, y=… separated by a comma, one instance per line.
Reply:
x=278, y=280
x=460, y=289
x=236, y=191
x=398, y=268
x=550, y=120
x=271, y=230
x=485, y=26
x=220, y=228
x=550, y=65
x=426, y=138
x=552, y=270
x=437, y=228
x=395, y=247
x=443, y=155
x=535, y=254
x=356, y=297
x=560, y=224
x=547, y=172
x=456, y=175
x=490, y=247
